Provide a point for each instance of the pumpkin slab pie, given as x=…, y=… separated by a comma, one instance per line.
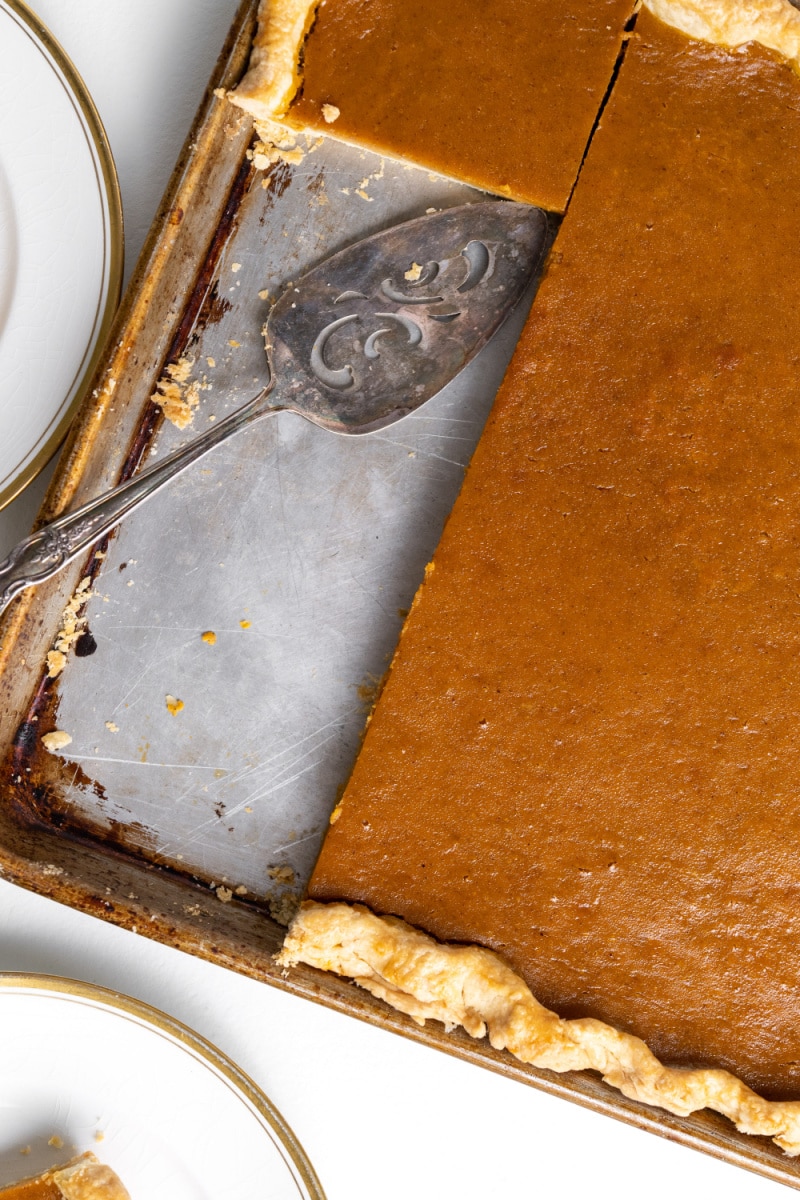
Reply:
x=82, y=1179
x=582, y=779
x=436, y=82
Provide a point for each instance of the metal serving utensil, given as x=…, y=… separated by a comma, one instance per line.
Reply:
x=358, y=342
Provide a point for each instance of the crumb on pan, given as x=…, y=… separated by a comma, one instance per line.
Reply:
x=174, y=705
x=283, y=874
x=56, y=661
x=56, y=740
x=175, y=396
x=70, y=629
x=275, y=144
x=283, y=909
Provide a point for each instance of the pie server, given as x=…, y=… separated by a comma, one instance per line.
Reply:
x=358, y=342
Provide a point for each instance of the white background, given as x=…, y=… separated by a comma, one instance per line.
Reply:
x=381, y=1118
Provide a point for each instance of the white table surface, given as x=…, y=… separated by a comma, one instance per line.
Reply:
x=380, y=1117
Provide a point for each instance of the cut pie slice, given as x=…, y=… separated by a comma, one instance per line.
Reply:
x=83, y=1178
x=586, y=758
x=502, y=94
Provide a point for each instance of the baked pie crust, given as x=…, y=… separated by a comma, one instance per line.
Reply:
x=774, y=24
x=473, y=988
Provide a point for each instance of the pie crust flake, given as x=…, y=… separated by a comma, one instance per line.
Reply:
x=472, y=987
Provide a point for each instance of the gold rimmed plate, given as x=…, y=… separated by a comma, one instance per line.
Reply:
x=60, y=244
x=85, y=1068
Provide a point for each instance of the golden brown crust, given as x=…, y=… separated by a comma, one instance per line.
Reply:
x=88, y=1179
x=773, y=23
x=472, y=987
x=273, y=75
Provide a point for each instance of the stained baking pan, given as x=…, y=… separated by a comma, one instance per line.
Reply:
x=232, y=635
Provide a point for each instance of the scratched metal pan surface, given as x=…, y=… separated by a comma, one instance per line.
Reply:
x=264, y=590
x=197, y=819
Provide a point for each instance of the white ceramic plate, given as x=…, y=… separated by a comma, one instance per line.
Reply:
x=60, y=244
x=171, y=1114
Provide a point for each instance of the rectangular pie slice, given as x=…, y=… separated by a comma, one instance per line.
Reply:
x=500, y=94
x=587, y=756
x=82, y=1179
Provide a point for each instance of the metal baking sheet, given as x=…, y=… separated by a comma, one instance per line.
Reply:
x=299, y=549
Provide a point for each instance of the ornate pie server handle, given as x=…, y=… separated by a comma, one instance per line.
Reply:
x=50, y=548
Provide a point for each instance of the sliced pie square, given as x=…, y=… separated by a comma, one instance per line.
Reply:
x=500, y=94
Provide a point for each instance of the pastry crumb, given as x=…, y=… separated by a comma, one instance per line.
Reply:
x=209, y=637
x=71, y=628
x=236, y=267
x=56, y=1141
x=283, y=874
x=275, y=144
x=413, y=273
x=112, y=727
x=245, y=624
x=174, y=705
x=224, y=894
x=25, y=1150
x=330, y=113
x=176, y=398
x=284, y=909
x=56, y=740
x=56, y=661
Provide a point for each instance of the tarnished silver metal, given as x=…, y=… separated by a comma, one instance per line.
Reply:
x=380, y=328
x=357, y=343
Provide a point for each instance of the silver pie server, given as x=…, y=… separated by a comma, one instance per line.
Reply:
x=355, y=344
